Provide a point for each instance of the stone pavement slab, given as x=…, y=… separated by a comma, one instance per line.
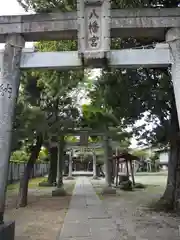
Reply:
x=73, y=229
x=87, y=219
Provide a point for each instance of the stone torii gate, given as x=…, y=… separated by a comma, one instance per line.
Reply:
x=83, y=143
x=91, y=147
x=93, y=25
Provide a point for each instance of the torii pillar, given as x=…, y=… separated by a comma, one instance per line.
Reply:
x=173, y=39
x=60, y=191
x=9, y=88
x=94, y=166
x=70, y=177
x=107, y=158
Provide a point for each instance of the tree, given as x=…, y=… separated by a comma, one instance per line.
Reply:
x=133, y=93
x=55, y=111
x=23, y=190
x=45, y=109
x=141, y=154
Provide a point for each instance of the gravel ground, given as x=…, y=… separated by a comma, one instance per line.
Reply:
x=133, y=217
x=42, y=219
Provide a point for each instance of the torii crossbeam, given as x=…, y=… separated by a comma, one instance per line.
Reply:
x=146, y=22
x=127, y=58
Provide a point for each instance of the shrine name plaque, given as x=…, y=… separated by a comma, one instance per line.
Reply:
x=93, y=29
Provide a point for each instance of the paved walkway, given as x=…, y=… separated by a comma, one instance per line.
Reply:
x=87, y=219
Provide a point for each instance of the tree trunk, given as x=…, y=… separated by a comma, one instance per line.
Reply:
x=24, y=181
x=101, y=171
x=176, y=204
x=171, y=195
x=60, y=162
x=168, y=196
x=53, y=165
x=108, y=156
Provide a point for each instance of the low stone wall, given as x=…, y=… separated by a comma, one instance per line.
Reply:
x=16, y=170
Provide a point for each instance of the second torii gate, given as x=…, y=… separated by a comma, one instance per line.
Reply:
x=90, y=148
x=93, y=25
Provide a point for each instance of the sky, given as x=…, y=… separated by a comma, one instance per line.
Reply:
x=12, y=7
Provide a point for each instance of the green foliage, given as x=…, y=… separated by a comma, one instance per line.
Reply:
x=87, y=157
x=29, y=121
x=155, y=162
x=72, y=139
x=69, y=5
x=48, y=5
x=142, y=154
x=119, y=98
x=144, y=3
x=124, y=144
x=100, y=159
x=19, y=156
x=97, y=117
x=45, y=104
x=43, y=155
x=154, y=156
x=23, y=155
x=132, y=94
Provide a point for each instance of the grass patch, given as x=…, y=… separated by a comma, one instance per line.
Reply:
x=140, y=196
x=141, y=174
x=33, y=183
x=98, y=190
x=13, y=186
x=99, y=194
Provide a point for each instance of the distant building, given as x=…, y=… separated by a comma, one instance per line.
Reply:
x=163, y=157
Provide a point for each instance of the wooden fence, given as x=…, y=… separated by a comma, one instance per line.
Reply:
x=16, y=170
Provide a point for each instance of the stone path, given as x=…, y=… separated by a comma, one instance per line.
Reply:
x=87, y=218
